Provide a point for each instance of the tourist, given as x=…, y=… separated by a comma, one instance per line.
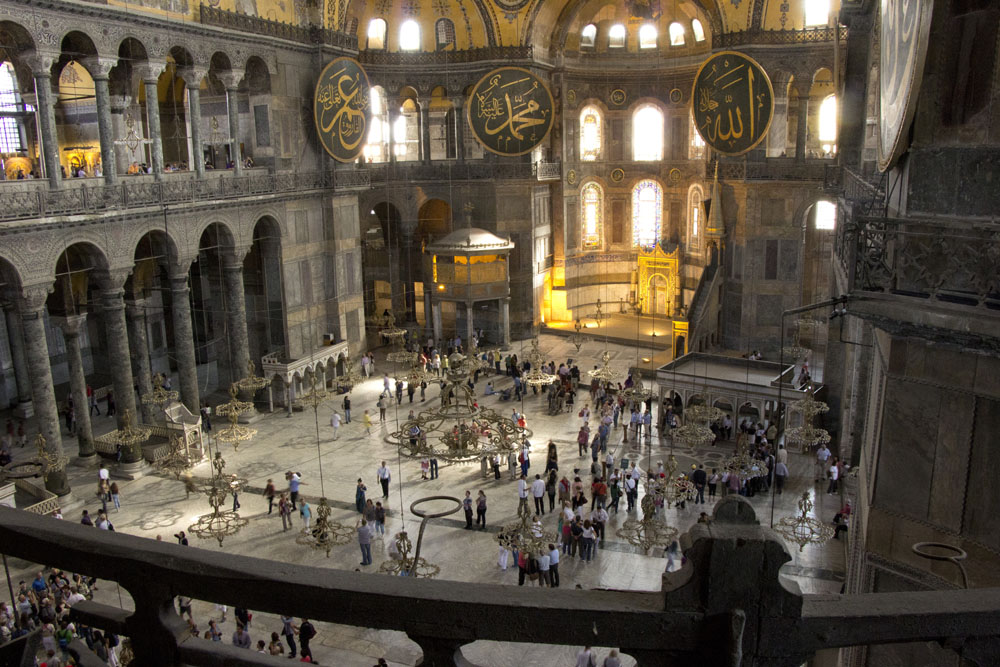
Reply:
x=550, y=488
x=285, y=511
x=780, y=475
x=612, y=660
x=241, y=638
x=288, y=630
x=822, y=456
x=384, y=475
x=269, y=494
x=467, y=506
x=368, y=423
x=538, y=493
x=425, y=466
x=306, y=632
x=713, y=483
x=544, y=565
x=481, y=510
x=379, y=519
x=522, y=495
x=380, y=404
x=587, y=539
x=294, y=482
x=365, y=542
x=335, y=423
x=834, y=475
x=306, y=513
x=675, y=558
x=359, y=496
x=369, y=513
x=275, y=647
x=700, y=479
x=586, y=658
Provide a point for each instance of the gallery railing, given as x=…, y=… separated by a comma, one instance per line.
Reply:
x=947, y=261
x=726, y=606
x=254, y=24
x=32, y=199
x=484, y=54
x=806, y=36
x=769, y=169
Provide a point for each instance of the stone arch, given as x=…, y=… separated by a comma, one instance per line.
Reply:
x=226, y=235
x=75, y=46
x=257, y=76
x=10, y=274
x=77, y=272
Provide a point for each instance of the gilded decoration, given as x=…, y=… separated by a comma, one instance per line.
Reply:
x=732, y=102
x=571, y=176
x=676, y=96
x=510, y=111
x=342, y=109
x=618, y=97
x=658, y=278
x=618, y=175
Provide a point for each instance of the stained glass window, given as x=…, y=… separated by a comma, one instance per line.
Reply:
x=590, y=134
x=376, y=34
x=647, y=134
x=593, y=215
x=694, y=216
x=10, y=138
x=698, y=30
x=647, y=213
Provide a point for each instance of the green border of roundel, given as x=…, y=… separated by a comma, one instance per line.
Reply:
x=468, y=110
x=770, y=119
x=367, y=86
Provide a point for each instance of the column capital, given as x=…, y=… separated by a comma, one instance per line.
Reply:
x=113, y=280
x=40, y=63
x=193, y=75
x=119, y=103
x=31, y=299
x=231, y=80
x=232, y=258
x=98, y=67
x=149, y=72
x=71, y=325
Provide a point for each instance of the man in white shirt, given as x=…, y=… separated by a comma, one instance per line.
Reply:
x=384, y=475
x=822, y=456
x=544, y=561
x=630, y=491
x=609, y=464
x=335, y=424
x=599, y=517
x=834, y=474
x=538, y=493
x=522, y=494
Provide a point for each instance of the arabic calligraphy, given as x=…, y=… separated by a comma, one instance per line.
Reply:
x=733, y=102
x=342, y=109
x=510, y=111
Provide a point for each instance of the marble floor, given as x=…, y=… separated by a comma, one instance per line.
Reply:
x=156, y=505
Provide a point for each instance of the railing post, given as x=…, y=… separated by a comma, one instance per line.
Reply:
x=154, y=627
x=438, y=651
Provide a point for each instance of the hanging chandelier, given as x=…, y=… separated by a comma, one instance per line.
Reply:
x=324, y=534
x=352, y=376
x=703, y=414
x=578, y=339
x=808, y=435
x=693, y=435
x=536, y=377
x=524, y=535
x=251, y=383
x=159, y=396
x=406, y=564
x=387, y=328
x=50, y=463
x=605, y=374
x=744, y=465
x=177, y=461
x=804, y=529
x=129, y=437
x=234, y=434
x=638, y=391
x=221, y=523
x=649, y=531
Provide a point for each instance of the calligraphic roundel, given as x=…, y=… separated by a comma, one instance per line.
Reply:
x=342, y=109
x=905, y=27
x=732, y=102
x=510, y=111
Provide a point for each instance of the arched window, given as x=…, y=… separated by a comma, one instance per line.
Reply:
x=647, y=134
x=590, y=134
x=826, y=215
x=647, y=213
x=377, y=148
x=676, y=34
x=696, y=146
x=616, y=36
x=376, y=34
x=828, y=124
x=588, y=36
x=695, y=222
x=10, y=103
x=592, y=215
x=444, y=29
x=409, y=36
x=647, y=36
x=697, y=30
x=406, y=132
x=817, y=12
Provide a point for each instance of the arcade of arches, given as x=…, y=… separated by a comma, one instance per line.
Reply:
x=166, y=209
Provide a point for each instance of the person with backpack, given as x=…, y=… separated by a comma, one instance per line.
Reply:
x=347, y=409
x=306, y=633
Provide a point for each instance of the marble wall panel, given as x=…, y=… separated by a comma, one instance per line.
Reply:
x=906, y=456
x=951, y=459
x=982, y=521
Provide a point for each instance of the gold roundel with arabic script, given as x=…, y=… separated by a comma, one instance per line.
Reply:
x=342, y=109
x=510, y=111
x=732, y=102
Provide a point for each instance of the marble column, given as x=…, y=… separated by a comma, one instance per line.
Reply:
x=428, y=313
x=801, y=127
x=153, y=123
x=393, y=115
x=102, y=97
x=32, y=307
x=234, y=129
x=118, y=104
x=47, y=126
x=436, y=317
x=187, y=370
x=139, y=345
x=505, y=321
x=15, y=337
x=194, y=113
x=236, y=312
x=113, y=315
x=470, y=308
x=460, y=128
x=425, y=130
x=72, y=326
